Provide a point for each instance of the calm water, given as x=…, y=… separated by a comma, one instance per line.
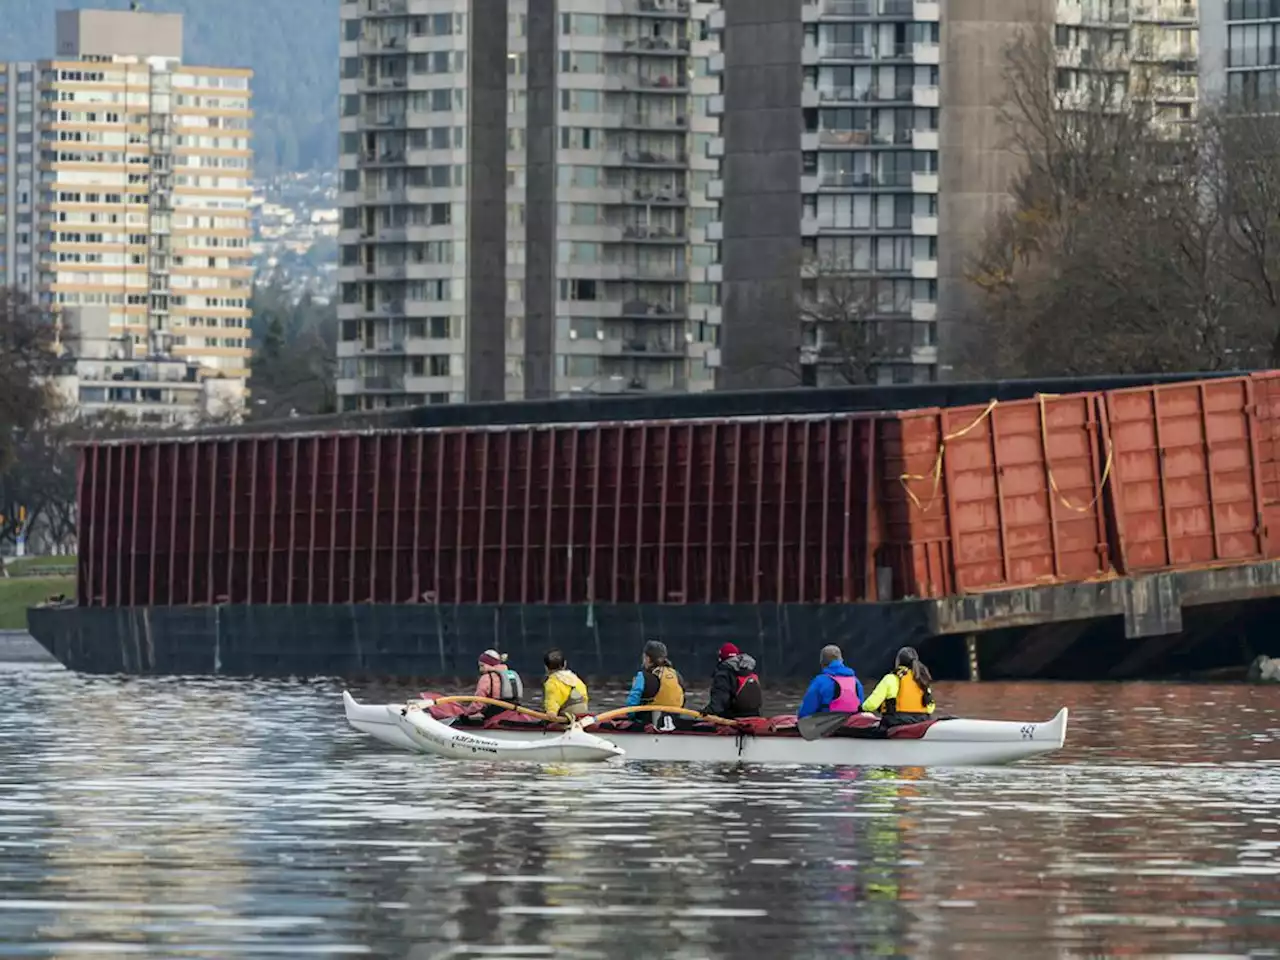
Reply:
x=235, y=819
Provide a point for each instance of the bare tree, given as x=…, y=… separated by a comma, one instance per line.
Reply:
x=1243, y=152
x=846, y=334
x=1113, y=255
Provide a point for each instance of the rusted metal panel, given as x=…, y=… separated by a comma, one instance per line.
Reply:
x=1266, y=387
x=1185, y=475
x=1004, y=495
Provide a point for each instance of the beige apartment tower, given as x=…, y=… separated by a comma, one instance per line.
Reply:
x=124, y=209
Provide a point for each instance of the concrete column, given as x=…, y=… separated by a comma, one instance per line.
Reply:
x=540, y=203
x=760, y=253
x=975, y=163
x=487, y=200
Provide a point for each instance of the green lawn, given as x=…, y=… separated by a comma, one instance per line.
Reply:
x=18, y=593
x=28, y=565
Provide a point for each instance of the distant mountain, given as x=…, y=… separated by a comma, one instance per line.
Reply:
x=291, y=45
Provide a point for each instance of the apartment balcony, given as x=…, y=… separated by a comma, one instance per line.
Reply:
x=924, y=183
x=923, y=225
x=715, y=231
x=927, y=11
x=652, y=46
x=843, y=139
x=383, y=8
x=367, y=84
x=654, y=235
x=1172, y=13
x=648, y=310
x=924, y=311
x=645, y=159
x=924, y=269
x=924, y=139
x=654, y=121
x=850, y=95
x=648, y=348
x=651, y=271
x=381, y=158
x=651, y=197
x=925, y=95
x=656, y=9
x=863, y=9
x=927, y=54
x=809, y=226
x=715, y=190
x=641, y=84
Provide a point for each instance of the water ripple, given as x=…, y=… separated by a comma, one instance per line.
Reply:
x=233, y=819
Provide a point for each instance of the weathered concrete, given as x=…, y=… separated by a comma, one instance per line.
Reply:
x=487, y=201
x=760, y=253
x=976, y=163
x=540, y=202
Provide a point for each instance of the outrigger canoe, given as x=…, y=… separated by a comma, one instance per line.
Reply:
x=943, y=742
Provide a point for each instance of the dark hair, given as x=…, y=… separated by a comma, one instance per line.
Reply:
x=554, y=660
x=907, y=657
x=656, y=651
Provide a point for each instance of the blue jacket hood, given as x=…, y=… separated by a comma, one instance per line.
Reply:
x=838, y=668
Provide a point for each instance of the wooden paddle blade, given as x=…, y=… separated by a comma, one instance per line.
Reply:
x=819, y=725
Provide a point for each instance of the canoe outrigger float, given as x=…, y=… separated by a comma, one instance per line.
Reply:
x=439, y=727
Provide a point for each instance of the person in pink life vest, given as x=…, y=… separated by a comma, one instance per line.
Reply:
x=836, y=689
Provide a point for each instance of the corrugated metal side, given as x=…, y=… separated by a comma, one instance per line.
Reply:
x=1186, y=486
x=1266, y=392
x=718, y=512
x=1003, y=495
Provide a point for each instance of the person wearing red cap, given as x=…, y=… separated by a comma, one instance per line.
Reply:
x=735, y=687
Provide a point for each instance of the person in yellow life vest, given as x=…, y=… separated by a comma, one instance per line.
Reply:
x=905, y=695
x=658, y=682
x=563, y=693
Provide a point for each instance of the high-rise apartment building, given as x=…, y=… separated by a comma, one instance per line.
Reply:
x=526, y=205
x=1240, y=44
x=124, y=210
x=831, y=182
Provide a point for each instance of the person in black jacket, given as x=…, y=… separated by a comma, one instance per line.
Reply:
x=735, y=688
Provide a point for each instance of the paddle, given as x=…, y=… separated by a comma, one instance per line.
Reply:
x=680, y=711
x=491, y=702
x=819, y=725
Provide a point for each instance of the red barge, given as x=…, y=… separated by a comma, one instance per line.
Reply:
x=1006, y=527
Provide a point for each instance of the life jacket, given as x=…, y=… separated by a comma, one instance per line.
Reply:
x=577, y=702
x=511, y=687
x=846, y=699
x=911, y=698
x=748, y=698
x=669, y=693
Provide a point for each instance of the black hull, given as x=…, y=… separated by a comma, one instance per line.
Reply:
x=419, y=640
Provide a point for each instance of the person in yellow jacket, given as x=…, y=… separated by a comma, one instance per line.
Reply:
x=905, y=695
x=563, y=693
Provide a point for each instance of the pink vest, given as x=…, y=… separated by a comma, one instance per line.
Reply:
x=847, y=700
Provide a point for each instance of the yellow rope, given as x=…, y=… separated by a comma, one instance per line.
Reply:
x=1053, y=482
x=936, y=473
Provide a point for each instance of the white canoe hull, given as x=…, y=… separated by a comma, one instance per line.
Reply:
x=428, y=735
x=946, y=743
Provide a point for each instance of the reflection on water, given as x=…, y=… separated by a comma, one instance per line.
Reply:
x=175, y=818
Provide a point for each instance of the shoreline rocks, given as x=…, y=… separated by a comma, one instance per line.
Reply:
x=1264, y=670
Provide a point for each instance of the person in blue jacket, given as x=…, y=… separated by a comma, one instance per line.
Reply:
x=836, y=689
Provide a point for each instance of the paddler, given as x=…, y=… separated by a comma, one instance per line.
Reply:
x=658, y=682
x=563, y=693
x=905, y=695
x=836, y=689
x=735, y=687
x=498, y=682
